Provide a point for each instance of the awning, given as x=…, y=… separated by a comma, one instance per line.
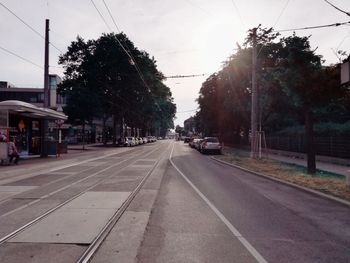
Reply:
x=30, y=110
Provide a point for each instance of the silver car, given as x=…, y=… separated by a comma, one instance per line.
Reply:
x=130, y=141
x=210, y=144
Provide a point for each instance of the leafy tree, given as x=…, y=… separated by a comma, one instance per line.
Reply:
x=294, y=88
x=104, y=72
x=307, y=84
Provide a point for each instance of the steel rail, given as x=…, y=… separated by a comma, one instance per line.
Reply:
x=96, y=243
x=37, y=219
x=62, y=188
x=10, y=178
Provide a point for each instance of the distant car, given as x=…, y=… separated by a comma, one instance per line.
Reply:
x=121, y=141
x=139, y=140
x=190, y=143
x=210, y=144
x=197, y=144
x=151, y=138
x=130, y=141
x=193, y=141
x=187, y=139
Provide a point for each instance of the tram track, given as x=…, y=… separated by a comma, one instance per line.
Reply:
x=57, y=169
x=28, y=173
x=96, y=243
x=42, y=216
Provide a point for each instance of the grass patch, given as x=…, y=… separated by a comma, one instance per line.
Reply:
x=327, y=182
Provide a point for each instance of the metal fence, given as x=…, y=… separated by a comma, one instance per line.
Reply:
x=333, y=146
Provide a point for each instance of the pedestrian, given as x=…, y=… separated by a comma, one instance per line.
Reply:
x=12, y=151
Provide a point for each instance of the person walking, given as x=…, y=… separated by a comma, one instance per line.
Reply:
x=13, y=152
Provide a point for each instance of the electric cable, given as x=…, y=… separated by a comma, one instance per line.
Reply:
x=282, y=11
x=133, y=62
x=239, y=14
x=109, y=12
x=98, y=11
x=185, y=76
x=197, y=6
x=278, y=18
x=347, y=13
x=29, y=26
x=20, y=57
x=128, y=53
x=314, y=27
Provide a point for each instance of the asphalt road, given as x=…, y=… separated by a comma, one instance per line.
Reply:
x=281, y=223
x=190, y=209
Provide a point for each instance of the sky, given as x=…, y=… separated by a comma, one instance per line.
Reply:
x=186, y=37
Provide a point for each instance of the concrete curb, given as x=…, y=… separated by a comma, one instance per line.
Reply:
x=309, y=190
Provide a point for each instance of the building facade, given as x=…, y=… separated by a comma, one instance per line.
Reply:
x=190, y=126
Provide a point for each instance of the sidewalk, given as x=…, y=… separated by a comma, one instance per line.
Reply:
x=328, y=167
x=323, y=163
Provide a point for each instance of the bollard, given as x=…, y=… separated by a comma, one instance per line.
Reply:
x=348, y=180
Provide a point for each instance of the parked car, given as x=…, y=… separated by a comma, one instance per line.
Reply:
x=197, y=144
x=130, y=141
x=193, y=141
x=210, y=144
x=121, y=141
x=145, y=140
x=139, y=139
x=187, y=139
x=190, y=143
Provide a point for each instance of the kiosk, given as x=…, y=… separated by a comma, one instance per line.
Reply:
x=22, y=121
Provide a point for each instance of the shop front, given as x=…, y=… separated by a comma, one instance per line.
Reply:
x=22, y=122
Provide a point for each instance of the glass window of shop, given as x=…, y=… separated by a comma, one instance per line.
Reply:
x=26, y=132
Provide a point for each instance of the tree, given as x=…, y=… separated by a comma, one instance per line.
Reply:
x=294, y=88
x=307, y=84
x=127, y=87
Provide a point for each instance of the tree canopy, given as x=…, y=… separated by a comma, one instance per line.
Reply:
x=111, y=77
x=294, y=88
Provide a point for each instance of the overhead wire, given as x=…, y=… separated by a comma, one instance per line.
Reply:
x=128, y=53
x=314, y=27
x=239, y=13
x=347, y=13
x=336, y=51
x=20, y=57
x=185, y=76
x=102, y=17
x=277, y=20
x=197, y=6
x=281, y=13
x=109, y=12
x=29, y=26
x=125, y=49
x=133, y=62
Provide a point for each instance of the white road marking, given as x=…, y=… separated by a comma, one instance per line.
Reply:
x=234, y=230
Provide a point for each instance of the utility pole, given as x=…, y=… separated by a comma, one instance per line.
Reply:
x=45, y=123
x=254, y=111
